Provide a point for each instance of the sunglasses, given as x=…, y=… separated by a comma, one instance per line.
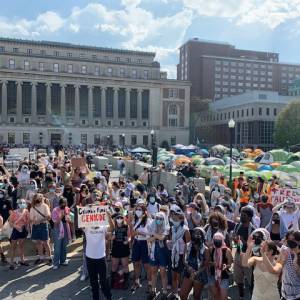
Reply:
x=120, y=218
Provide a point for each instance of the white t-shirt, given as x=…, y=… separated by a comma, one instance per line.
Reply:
x=95, y=242
x=152, y=209
x=291, y=221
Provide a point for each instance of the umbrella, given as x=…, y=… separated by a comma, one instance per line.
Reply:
x=140, y=150
x=265, y=168
x=227, y=161
x=284, y=177
x=214, y=161
x=287, y=169
x=294, y=157
x=279, y=155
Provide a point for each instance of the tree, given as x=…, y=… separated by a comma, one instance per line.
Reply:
x=287, y=125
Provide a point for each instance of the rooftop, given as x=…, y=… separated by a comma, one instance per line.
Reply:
x=75, y=46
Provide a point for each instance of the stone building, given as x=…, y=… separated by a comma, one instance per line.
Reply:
x=71, y=94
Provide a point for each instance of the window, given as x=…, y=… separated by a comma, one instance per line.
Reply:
x=242, y=113
x=41, y=66
x=217, y=69
x=255, y=72
x=97, y=139
x=145, y=140
x=69, y=54
x=83, y=138
x=267, y=111
x=56, y=53
x=105, y=58
x=260, y=111
x=233, y=70
x=2, y=49
x=94, y=56
x=262, y=96
x=248, y=71
x=70, y=68
x=241, y=77
x=237, y=113
x=225, y=63
x=233, y=63
x=173, y=93
x=11, y=64
x=109, y=71
x=225, y=70
x=232, y=77
x=173, y=140
x=83, y=69
x=122, y=72
x=275, y=112
x=55, y=68
x=225, y=82
x=218, y=76
x=217, y=62
x=81, y=55
x=26, y=138
x=29, y=51
x=173, y=115
x=97, y=70
x=139, y=61
x=241, y=64
x=118, y=59
x=15, y=50
x=26, y=65
x=146, y=74
x=225, y=76
x=133, y=73
x=133, y=140
x=11, y=138
x=247, y=112
x=252, y=111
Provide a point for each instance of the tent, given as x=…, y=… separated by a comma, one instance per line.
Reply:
x=287, y=169
x=279, y=155
x=140, y=150
x=214, y=161
x=265, y=168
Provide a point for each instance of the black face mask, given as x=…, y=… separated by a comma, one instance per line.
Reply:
x=291, y=244
x=276, y=221
x=218, y=243
x=197, y=240
x=214, y=224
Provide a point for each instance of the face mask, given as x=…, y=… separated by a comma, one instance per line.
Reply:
x=257, y=240
x=215, y=194
x=217, y=243
x=152, y=200
x=119, y=221
x=51, y=190
x=138, y=213
x=214, y=224
x=275, y=221
x=22, y=205
x=117, y=209
x=197, y=240
x=158, y=222
x=256, y=250
x=126, y=207
x=291, y=244
x=176, y=223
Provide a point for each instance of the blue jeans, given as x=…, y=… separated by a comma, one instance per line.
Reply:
x=60, y=246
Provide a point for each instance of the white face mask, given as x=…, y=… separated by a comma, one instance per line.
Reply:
x=126, y=207
x=138, y=213
x=119, y=221
x=215, y=194
x=1, y=195
x=152, y=200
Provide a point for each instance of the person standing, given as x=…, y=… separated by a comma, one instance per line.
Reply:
x=95, y=258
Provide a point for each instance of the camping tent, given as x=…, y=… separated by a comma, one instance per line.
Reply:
x=140, y=150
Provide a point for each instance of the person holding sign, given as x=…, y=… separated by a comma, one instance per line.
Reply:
x=95, y=258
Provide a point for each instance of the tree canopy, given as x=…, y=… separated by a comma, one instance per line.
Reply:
x=287, y=125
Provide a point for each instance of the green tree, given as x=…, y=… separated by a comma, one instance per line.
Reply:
x=287, y=125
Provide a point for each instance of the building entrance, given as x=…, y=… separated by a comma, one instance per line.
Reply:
x=55, y=139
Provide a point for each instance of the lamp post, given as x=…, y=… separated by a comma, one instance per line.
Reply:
x=123, y=141
x=231, y=125
x=154, y=148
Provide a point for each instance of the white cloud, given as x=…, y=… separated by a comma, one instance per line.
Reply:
x=74, y=27
x=271, y=13
x=49, y=21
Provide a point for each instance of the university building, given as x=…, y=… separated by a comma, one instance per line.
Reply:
x=254, y=113
x=71, y=94
x=217, y=70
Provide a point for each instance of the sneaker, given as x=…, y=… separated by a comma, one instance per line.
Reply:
x=38, y=261
x=12, y=267
x=55, y=267
x=65, y=263
x=82, y=277
x=49, y=263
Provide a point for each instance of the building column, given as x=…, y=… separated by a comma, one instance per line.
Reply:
x=48, y=103
x=33, y=103
x=139, y=107
x=103, y=106
x=4, y=102
x=90, y=105
x=63, y=103
x=116, y=106
x=127, y=107
x=19, y=102
x=77, y=105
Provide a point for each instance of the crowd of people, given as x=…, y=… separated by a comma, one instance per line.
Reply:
x=192, y=240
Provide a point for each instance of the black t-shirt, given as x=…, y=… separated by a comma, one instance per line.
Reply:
x=5, y=207
x=243, y=232
x=121, y=233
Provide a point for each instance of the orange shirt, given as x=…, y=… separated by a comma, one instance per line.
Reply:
x=19, y=219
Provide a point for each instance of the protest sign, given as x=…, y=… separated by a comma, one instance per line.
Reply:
x=23, y=152
x=79, y=162
x=281, y=194
x=92, y=216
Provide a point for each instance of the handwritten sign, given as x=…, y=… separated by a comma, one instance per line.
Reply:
x=92, y=216
x=281, y=194
x=79, y=162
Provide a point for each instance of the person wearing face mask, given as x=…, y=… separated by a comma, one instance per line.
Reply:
x=61, y=233
x=276, y=229
x=23, y=177
x=244, y=195
x=3, y=258
x=158, y=230
x=265, y=210
x=266, y=269
x=241, y=233
x=52, y=196
x=196, y=263
x=215, y=196
x=32, y=190
x=5, y=206
x=220, y=261
x=153, y=206
x=193, y=216
x=19, y=220
x=139, y=233
x=178, y=239
x=120, y=250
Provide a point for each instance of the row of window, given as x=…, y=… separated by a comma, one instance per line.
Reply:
x=247, y=84
x=233, y=86
x=238, y=114
x=84, y=69
x=242, y=77
x=81, y=55
x=243, y=64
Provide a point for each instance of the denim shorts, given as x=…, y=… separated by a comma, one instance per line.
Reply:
x=160, y=256
x=140, y=251
x=223, y=285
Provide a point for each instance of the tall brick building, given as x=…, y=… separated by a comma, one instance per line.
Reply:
x=218, y=70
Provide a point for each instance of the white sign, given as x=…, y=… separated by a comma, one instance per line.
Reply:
x=23, y=152
x=281, y=194
x=92, y=216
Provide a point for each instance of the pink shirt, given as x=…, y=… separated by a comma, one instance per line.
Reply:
x=19, y=219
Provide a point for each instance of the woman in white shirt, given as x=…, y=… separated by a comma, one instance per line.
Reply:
x=95, y=258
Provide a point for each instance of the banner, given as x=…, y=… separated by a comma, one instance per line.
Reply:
x=281, y=194
x=92, y=216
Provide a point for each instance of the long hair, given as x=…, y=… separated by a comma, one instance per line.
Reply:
x=221, y=219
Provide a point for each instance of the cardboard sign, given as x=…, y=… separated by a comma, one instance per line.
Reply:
x=92, y=216
x=79, y=162
x=281, y=194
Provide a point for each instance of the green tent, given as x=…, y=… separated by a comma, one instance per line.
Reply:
x=279, y=155
x=287, y=169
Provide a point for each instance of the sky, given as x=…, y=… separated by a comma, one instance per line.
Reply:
x=161, y=26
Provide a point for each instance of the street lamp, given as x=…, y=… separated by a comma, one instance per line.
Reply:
x=123, y=141
x=231, y=125
x=154, y=149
